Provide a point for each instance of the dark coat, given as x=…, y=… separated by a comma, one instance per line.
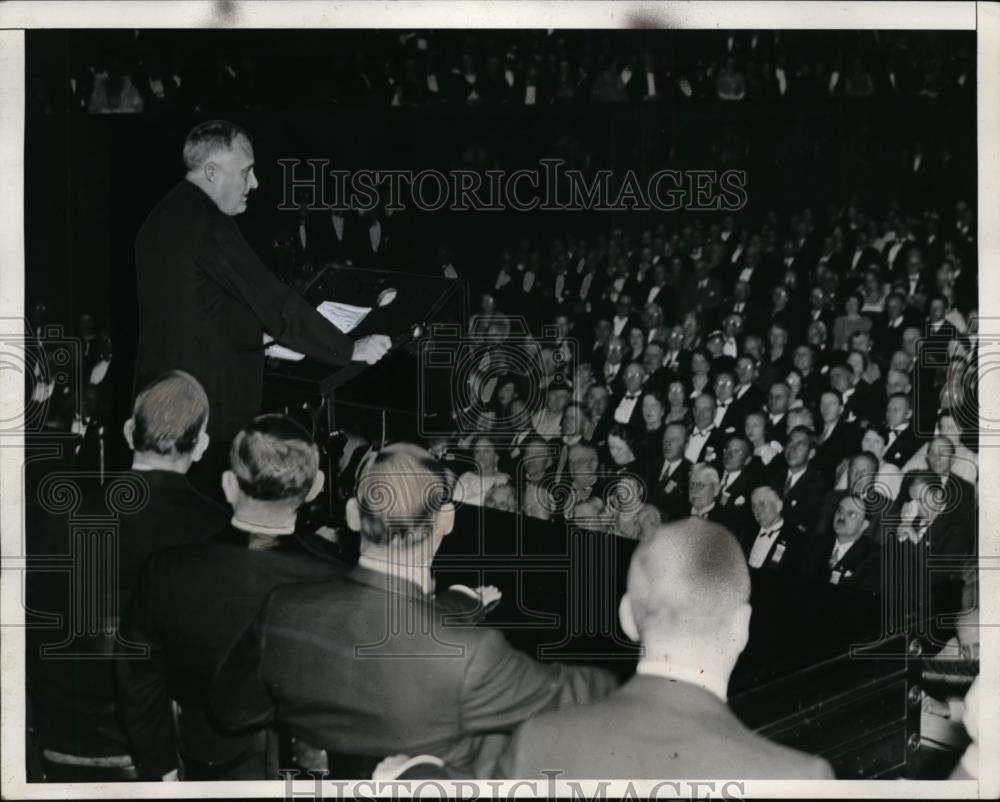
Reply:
x=190, y=604
x=205, y=302
x=325, y=661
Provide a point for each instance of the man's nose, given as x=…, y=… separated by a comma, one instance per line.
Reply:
x=253, y=180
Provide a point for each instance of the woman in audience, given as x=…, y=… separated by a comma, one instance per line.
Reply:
x=678, y=411
x=874, y=294
x=851, y=321
x=636, y=344
x=472, y=486
x=764, y=450
x=701, y=379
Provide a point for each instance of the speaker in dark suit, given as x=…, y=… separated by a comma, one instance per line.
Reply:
x=625, y=738
x=206, y=300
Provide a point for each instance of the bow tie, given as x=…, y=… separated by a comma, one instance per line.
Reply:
x=632, y=396
x=769, y=532
x=725, y=403
x=701, y=432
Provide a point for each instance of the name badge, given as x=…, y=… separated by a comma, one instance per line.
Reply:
x=779, y=552
x=836, y=576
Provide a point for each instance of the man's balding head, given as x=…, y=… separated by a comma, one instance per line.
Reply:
x=688, y=594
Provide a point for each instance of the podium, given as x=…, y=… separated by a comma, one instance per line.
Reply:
x=311, y=391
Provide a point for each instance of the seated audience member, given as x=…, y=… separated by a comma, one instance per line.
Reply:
x=838, y=438
x=328, y=663
x=672, y=483
x=632, y=517
x=576, y=427
x=166, y=434
x=627, y=405
x=472, y=486
x=847, y=557
x=889, y=476
x=862, y=482
x=192, y=602
x=769, y=546
x=764, y=450
x=534, y=479
x=735, y=485
x=650, y=438
x=704, y=442
x=548, y=421
x=801, y=486
x=677, y=411
x=901, y=440
x=777, y=411
x=703, y=489
x=585, y=481
x=687, y=603
x=964, y=463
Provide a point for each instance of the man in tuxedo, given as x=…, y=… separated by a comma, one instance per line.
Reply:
x=901, y=440
x=330, y=663
x=802, y=487
x=898, y=318
x=837, y=440
x=729, y=415
x=626, y=405
x=736, y=484
x=703, y=492
x=777, y=410
x=206, y=300
x=687, y=603
x=773, y=543
x=672, y=485
x=74, y=701
x=705, y=441
x=192, y=602
x=914, y=282
x=611, y=371
x=747, y=394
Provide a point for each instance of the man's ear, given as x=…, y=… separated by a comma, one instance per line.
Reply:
x=128, y=430
x=444, y=520
x=353, y=515
x=317, y=486
x=210, y=170
x=201, y=446
x=741, y=626
x=627, y=618
x=230, y=487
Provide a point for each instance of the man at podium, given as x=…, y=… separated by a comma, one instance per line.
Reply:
x=206, y=300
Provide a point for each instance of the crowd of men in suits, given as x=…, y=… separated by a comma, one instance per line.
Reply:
x=812, y=390
x=157, y=72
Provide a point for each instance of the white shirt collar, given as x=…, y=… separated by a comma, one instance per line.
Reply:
x=259, y=529
x=772, y=530
x=418, y=577
x=697, y=677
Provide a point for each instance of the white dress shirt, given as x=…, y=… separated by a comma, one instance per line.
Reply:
x=619, y=325
x=697, y=442
x=763, y=544
x=623, y=412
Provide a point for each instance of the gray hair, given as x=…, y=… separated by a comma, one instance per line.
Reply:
x=208, y=137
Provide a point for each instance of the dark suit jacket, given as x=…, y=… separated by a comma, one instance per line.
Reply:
x=205, y=301
x=737, y=506
x=652, y=728
x=804, y=500
x=190, y=604
x=844, y=440
x=672, y=493
x=335, y=666
x=75, y=700
x=859, y=569
x=903, y=447
x=786, y=550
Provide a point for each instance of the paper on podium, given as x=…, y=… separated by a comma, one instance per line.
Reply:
x=344, y=316
x=280, y=352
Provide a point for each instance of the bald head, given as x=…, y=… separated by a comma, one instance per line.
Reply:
x=686, y=579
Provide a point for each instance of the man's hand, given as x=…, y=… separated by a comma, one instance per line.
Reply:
x=371, y=349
